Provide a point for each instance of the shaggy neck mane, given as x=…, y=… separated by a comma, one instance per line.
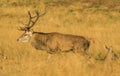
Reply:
x=38, y=33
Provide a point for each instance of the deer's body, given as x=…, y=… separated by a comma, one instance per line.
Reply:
x=57, y=42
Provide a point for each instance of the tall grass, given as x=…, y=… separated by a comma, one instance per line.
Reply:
x=101, y=27
x=108, y=3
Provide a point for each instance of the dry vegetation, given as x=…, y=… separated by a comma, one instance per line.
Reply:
x=100, y=24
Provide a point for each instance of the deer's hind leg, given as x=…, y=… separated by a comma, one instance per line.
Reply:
x=83, y=51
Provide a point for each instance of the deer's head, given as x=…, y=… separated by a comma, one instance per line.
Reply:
x=25, y=37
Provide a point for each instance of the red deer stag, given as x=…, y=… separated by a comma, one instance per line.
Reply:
x=52, y=42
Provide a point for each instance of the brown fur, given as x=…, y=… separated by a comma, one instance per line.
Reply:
x=57, y=42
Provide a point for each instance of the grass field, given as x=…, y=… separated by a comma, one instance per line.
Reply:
x=100, y=25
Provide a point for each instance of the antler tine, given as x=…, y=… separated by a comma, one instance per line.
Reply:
x=20, y=28
x=30, y=17
x=25, y=28
x=37, y=14
x=33, y=22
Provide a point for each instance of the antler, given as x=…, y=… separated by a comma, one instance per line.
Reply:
x=31, y=22
x=30, y=19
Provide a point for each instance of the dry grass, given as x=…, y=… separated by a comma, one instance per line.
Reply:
x=101, y=27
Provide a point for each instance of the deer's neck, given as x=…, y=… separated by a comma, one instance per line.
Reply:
x=38, y=37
